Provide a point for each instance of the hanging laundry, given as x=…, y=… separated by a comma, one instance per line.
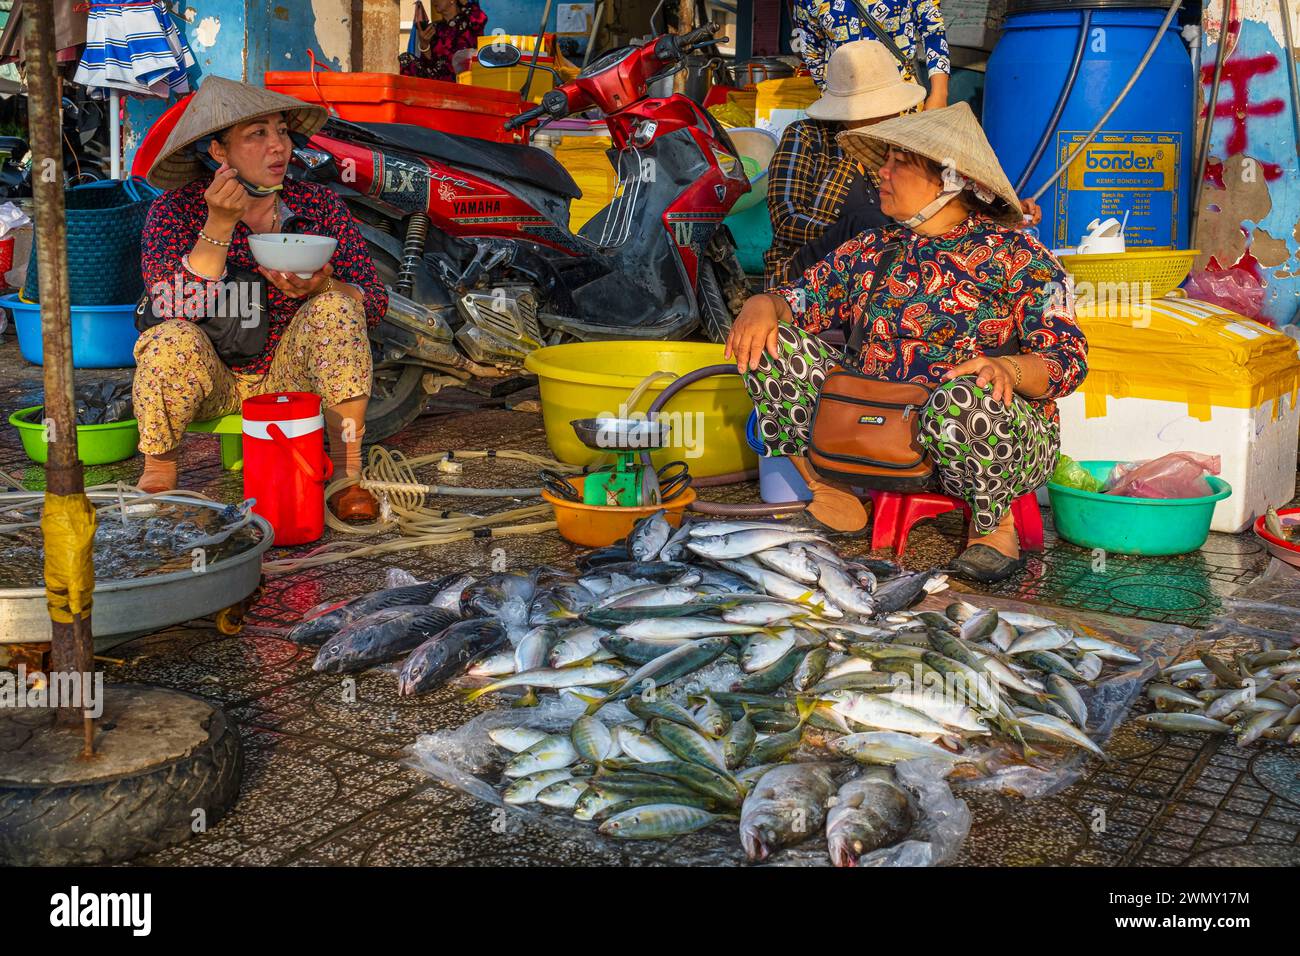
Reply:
x=135, y=47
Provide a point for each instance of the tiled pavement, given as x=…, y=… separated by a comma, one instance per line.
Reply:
x=325, y=780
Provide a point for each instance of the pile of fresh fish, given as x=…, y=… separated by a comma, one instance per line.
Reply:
x=1255, y=696
x=733, y=669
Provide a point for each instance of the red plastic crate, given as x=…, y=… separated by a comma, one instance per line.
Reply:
x=393, y=98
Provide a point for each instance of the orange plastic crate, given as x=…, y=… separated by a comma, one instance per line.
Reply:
x=393, y=98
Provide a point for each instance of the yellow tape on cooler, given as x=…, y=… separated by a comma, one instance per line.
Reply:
x=68, y=526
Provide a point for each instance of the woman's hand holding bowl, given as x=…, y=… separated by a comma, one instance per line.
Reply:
x=294, y=287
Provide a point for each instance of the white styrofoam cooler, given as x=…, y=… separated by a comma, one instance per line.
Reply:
x=1257, y=447
x=1258, y=453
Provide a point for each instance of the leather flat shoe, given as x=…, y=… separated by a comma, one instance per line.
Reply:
x=986, y=565
x=354, y=503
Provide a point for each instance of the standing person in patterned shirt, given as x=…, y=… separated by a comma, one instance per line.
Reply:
x=966, y=304
x=196, y=236
x=916, y=27
x=451, y=26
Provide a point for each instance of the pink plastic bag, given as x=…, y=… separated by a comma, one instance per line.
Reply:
x=1180, y=474
x=1232, y=289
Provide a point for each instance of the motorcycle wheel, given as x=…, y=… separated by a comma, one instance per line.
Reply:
x=715, y=316
x=397, y=398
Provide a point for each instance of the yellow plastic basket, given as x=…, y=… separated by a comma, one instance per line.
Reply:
x=1148, y=273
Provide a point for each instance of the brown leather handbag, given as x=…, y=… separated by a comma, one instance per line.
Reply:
x=864, y=429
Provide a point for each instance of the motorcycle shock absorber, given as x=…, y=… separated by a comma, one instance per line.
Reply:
x=417, y=230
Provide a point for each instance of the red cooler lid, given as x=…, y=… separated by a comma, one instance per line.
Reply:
x=281, y=406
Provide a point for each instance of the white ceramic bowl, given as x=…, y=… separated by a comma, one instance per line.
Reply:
x=287, y=252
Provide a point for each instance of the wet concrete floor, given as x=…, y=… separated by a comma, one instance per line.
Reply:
x=327, y=782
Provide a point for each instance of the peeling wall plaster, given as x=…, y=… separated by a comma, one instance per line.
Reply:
x=204, y=36
x=334, y=30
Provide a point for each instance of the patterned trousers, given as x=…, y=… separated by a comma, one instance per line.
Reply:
x=986, y=452
x=179, y=378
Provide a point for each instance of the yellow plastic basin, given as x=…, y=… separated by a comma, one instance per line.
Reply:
x=595, y=379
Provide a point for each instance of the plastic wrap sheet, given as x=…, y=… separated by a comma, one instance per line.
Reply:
x=467, y=760
x=1267, y=609
x=1109, y=701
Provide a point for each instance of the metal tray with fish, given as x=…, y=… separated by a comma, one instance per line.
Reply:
x=129, y=606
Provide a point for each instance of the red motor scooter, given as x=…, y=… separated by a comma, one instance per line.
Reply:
x=480, y=229
x=476, y=233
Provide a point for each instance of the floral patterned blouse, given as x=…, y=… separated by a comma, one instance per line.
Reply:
x=461, y=32
x=172, y=229
x=947, y=299
x=820, y=26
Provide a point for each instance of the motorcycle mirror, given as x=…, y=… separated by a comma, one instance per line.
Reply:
x=496, y=55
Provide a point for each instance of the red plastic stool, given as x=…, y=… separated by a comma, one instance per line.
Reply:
x=894, y=513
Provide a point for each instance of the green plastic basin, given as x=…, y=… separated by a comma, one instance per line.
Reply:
x=1121, y=525
x=96, y=444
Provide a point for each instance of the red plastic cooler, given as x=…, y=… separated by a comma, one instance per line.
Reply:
x=285, y=465
x=393, y=98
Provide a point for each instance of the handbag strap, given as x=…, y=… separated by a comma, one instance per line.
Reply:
x=888, y=256
x=882, y=35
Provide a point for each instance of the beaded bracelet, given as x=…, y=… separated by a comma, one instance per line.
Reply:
x=1016, y=366
x=216, y=242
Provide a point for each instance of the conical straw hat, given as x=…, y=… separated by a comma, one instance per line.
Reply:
x=220, y=104
x=950, y=136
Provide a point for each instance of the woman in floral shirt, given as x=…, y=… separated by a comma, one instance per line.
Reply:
x=456, y=25
x=195, y=250
x=967, y=304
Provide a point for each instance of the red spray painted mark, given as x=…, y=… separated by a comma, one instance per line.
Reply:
x=1236, y=106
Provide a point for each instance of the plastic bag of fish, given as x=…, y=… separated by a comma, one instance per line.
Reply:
x=1253, y=696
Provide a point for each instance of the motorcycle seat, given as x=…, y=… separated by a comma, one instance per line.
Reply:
x=509, y=160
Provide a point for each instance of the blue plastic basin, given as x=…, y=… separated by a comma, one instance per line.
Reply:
x=103, y=336
x=779, y=482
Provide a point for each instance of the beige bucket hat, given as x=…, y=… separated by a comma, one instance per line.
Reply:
x=863, y=82
x=950, y=136
x=219, y=104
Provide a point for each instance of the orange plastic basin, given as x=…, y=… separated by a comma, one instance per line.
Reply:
x=597, y=526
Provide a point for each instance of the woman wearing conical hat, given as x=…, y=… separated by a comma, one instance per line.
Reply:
x=195, y=245
x=967, y=304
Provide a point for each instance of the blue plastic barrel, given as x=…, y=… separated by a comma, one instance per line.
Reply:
x=1141, y=161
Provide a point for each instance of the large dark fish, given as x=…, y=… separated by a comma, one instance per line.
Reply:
x=445, y=655
x=381, y=636
x=901, y=592
x=317, y=630
x=871, y=811
x=614, y=554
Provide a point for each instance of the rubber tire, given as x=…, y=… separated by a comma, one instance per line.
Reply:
x=409, y=405
x=715, y=317
x=118, y=818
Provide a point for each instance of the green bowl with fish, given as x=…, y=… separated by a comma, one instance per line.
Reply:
x=96, y=444
x=1123, y=525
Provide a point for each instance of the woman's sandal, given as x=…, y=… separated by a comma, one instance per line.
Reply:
x=985, y=565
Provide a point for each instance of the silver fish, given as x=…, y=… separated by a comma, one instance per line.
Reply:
x=841, y=589
x=1106, y=650
x=1068, y=698
x=553, y=752
x=1053, y=728
x=641, y=746
x=742, y=544
x=1043, y=639
x=648, y=536
x=515, y=739
x=790, y=561
x=764, y=649
x=888, y=747
x=577, y=646
x=525, y=789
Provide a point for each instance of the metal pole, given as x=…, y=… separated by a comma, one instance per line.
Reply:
x=685, y=24
x=115, y=133
x=72, y=647
x=537, y=47
x=595, y=28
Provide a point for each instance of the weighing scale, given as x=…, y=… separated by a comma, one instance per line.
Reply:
x=630, y=440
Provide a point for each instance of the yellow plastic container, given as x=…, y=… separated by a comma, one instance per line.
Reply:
x=595, y=379
x=1149, y=273
x=584, y=157
x=595, y=526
